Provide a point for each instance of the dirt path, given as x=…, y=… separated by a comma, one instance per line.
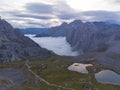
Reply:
x=43, y=80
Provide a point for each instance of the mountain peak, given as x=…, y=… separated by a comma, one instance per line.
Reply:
x=76, y=22
x=64, y=24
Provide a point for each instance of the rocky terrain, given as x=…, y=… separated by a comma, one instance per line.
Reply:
x=97, y=45
x=90, y=36
x=94, y=40
x=14, y=46
x=100, y=40
x=96, y=36
x=51, y=74
x=11, y=77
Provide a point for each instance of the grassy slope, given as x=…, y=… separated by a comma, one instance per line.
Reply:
x=55, y=71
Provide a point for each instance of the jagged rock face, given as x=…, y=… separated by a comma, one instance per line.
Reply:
x=93, y=40
x=15, y=46
x=81, y=37
x=91, y=36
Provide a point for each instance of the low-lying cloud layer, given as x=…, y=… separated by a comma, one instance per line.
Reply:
x=57, y=45
x=49, y=13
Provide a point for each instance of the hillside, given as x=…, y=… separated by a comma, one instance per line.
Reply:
x=14, y=46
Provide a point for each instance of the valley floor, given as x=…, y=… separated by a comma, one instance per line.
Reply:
x=52, y=74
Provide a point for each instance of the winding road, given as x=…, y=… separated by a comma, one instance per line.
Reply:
x=43, y=80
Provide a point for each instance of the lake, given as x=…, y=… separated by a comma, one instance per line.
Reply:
x=108, y=77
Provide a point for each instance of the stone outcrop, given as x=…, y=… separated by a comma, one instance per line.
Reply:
x=15, y=46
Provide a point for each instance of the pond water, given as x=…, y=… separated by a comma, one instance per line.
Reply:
x=108, y=77
x=79, y=67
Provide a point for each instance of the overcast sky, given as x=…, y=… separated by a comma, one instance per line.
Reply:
x=47, y=13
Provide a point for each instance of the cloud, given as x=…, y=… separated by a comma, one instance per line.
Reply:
x=58, y=45
x=40, y=8
x=33, y=16
x=60, y=9
x=107, y=16
x=39, y=24
x=67, y=16
x=115, y=1
x=50, y=13
x=63, y=11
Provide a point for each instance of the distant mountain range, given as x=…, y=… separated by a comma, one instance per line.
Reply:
x=93, y=40
x=87, y=37
x=33, y=30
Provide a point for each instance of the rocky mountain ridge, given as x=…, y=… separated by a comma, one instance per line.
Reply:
x=90, y=36
x=99, y=41
x=15, y=46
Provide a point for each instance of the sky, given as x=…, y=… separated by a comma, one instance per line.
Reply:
x=49, y=13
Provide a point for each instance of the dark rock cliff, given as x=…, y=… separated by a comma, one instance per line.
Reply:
x=101, y=37
x=15, y=46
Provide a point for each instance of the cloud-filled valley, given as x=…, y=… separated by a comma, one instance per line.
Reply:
x=58, y=45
